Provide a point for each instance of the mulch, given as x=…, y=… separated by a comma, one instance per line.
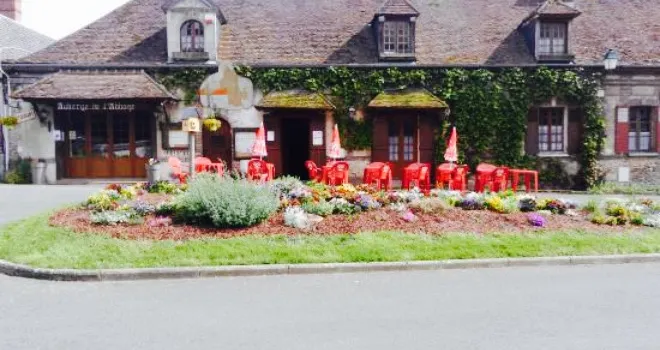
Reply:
x=451, y=221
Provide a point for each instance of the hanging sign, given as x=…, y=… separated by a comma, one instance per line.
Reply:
x=109, y=106
x=192, y=125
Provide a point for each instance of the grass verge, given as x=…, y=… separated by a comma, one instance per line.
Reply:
x=34, y=243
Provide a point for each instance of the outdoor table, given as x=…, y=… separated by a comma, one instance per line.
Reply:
x=412, y=173
x=325, y=170
x=445, y=174
x=378, y=173
x=483, y=175
x=527, y=175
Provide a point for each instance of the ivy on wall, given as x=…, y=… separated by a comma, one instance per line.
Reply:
x=187, y=80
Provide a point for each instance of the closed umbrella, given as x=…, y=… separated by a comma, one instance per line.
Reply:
x=335, y=144
x=451, y=154
x=259, y=147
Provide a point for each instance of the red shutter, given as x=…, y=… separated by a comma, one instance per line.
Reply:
x=575, y=130
x=657, y=128
x=532, y=136
x=621, y=132
x=379, y=152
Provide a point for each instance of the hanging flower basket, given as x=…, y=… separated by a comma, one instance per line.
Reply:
x=9, y=121
x=212, y=124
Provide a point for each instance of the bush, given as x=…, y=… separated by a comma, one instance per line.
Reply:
x=115, y=218
x=104, y=200
x=321, y=208
x=143, y=208
x=165, y=209
x=591, y=206
x=225, y=202
x=430, y=205
x=162, y=187
x=527, y=204
x=343, y=207
x=495, y=203
x=367, y=202
x=20, y=173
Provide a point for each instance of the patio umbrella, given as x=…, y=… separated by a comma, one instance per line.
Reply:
x=451, y=155
x=259, y=147
x=335, y=144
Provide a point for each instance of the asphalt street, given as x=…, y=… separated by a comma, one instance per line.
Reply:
x=17, y=202
x=577, y=307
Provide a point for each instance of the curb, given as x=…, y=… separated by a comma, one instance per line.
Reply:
x=71, y=275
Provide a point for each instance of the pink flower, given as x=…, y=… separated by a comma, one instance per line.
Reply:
x=408, y=216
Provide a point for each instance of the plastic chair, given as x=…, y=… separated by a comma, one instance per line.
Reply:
x=386, y=178
x=202, y=164
x=257, y=170
x=421, y=178
x=444, y=175
x=373, y=174
x=459, y=178
x=499, y=179
x=338, y=174
x=177, y=172
x=315, y=174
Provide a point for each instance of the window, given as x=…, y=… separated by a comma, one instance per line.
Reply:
x=551, y=130
x=393, y=141
x=640, y=136
x=553, y=38
x=397, y=37
x=192, y=37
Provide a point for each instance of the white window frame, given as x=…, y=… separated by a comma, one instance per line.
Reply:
x=561, y=153
x=546, y=45
x=392, y=38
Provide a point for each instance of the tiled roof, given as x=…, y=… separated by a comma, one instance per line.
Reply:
x=95, y=85
x=464, y=32
x=295, y=99
x=397, y=7
x=16, y=35
x=407, y=98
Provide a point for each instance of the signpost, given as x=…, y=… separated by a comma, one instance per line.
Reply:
x=192, y=126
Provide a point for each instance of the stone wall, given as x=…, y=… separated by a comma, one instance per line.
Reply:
x=625, y=90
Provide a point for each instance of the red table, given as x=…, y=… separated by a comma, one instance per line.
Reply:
x=527, y=175
x=379, y=174
x=445, y=175
x=482, y=176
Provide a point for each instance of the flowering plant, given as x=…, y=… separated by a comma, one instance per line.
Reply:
x=536, y=220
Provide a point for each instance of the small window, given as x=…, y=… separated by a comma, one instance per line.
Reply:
x=551, y=130
x=640, y=130
x=553, y=38
x=397, y=37
x=192, y=37
x=393, y=141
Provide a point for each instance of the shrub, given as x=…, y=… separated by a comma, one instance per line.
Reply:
x=430, y=205
x=591, y=206
x=510, y=205
x=495, y=203
x=162, y=187
x=20, y=173
x=104, y=200
x=143, y=208
x=295, y=217
x=289, y=187
x=367, y=202
x=556, y=206
x=218, y=202
x=165, y=209
x=536, y=220
x=652, y=221
x=527, y=204
x=115, y=218
x=343, y=207
x=321, y=208
x=471, y=204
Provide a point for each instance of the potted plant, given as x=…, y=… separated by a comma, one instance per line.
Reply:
x=153, y=170
x=9, y=121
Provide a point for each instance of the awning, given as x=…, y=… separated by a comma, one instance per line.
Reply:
x=295, y=99
x=407, y=98
x=95, y=85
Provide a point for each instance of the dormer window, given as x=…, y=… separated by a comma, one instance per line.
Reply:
x=192, y=37
x=552, y=39
x=394, y=27
x=397, y=37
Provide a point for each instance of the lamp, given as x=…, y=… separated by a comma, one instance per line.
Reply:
x=611, y=59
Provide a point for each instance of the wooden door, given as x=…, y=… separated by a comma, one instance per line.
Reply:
x=142, y=135
x=395, y=141
x=317, y=141
x=218, y=144
x=121, y=142
x=273, y=124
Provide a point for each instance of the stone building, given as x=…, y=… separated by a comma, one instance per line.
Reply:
x=104, y=110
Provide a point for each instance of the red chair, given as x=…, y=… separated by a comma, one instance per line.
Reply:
x=444, y=175
x=202, y=164
x=177, y=172
x=495, y=181
x=386, y=178
x=258, y=170
x=459, y=178
x=315, y=173
x=418, y=175
x=337, y=174
x=483, y=176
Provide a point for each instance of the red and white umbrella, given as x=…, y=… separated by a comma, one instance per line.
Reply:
x=259, y=147
x=451, y=155
x=335, y=144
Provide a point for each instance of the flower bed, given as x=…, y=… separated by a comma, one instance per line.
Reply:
x=216, y=207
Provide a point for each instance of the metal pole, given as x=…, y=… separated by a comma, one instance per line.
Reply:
x=191, y=138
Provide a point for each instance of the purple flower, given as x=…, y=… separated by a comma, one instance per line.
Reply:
x=408, y=216
x=536, y=220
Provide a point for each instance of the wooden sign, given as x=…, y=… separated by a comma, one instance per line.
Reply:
x=192, y=125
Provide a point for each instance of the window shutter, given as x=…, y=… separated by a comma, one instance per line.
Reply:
x=575, y=130
x=427, y=129
x=379, y=151
x=532, y=136
x=656, y=121
x=621, y=132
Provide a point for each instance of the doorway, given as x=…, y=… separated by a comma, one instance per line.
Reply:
x=217, y=144
x=295, y=147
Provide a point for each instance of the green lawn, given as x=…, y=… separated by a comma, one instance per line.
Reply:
x=34, y=243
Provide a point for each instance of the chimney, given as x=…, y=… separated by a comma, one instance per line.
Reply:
x=11, y=9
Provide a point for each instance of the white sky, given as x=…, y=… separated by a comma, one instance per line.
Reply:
x=59, y=18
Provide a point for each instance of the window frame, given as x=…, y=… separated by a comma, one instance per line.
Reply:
x=195, y=44
x=564, y=132
x=634, y=119
x=551, y=45
x=392, y=37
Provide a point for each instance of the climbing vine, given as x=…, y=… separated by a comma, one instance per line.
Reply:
x=489, y=107
x=186, y=80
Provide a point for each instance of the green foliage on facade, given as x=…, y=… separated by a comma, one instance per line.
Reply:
x=187, y=81
x=489, y=107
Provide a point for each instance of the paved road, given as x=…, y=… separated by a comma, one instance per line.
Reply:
x=17, y=202
x=581, y=307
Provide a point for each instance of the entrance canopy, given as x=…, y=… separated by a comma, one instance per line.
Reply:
x=95, y=85
x=296, y=99
x=407, y=98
